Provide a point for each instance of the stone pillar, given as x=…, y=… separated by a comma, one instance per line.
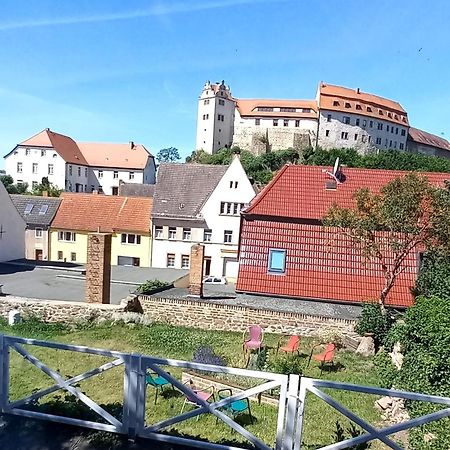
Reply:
x=196, y=270
x=98, y=268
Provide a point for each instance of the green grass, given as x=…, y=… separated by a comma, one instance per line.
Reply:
x=180, y=343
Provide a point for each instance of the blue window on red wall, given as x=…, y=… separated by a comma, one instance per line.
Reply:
x=277, y=261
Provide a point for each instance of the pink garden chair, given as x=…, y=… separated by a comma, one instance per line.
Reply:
x=253, y=340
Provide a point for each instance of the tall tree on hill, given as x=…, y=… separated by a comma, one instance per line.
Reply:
x=169, y=154
x=409, y=214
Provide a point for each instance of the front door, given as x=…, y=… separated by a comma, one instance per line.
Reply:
x=38, y=255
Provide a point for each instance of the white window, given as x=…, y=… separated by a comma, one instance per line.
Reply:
x=186, y=234
x=131, y=175
x=43, y=210
x=170, y=260
x=159, y=232
x=50, y=169
x=207, y=235
x=67, y=236
x=227, y=236
x=131, y=238
x=172, y=233
x=38, y=233
x=115, y=174
x=19, y=167
x=100, y=173
x=185, y=261
x=35, y=167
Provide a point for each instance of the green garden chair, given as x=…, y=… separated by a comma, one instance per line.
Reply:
x=157, y=382
x=236, y=407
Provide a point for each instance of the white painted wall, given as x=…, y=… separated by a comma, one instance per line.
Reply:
x=107, y=180
x=12, y=226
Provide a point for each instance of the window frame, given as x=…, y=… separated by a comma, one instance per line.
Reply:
x=171, y=257
x=125, y=239
x=174, y=231
x=185, y=258
x=38, y=233
x=276, y=270
x=159, y=231
x=228, y=236
x=187, y=234
x=207, y=232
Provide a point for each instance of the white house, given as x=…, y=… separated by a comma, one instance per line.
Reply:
x=12, y=229
x=196, y=203
x=79, y=166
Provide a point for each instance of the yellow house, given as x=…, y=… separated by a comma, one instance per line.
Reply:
x=126, y=218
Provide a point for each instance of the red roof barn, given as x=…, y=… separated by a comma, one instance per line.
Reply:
x=285, y=251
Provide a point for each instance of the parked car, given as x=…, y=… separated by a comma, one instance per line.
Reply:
x=214, y=280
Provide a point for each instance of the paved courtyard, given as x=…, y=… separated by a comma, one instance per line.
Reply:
x=68, y=283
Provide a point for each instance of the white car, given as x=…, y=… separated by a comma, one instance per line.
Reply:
x=214, y=280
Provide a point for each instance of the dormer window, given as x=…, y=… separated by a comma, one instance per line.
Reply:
x=369, y=109
x=380, y=112
x=335, y=103
x=348, y=105
x=358, y=107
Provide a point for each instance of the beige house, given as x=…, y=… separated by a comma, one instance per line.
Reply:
x=38, y=213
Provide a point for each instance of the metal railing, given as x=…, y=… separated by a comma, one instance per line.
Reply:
x=291, y=402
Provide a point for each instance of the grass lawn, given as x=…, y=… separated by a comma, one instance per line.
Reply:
x=180, y=343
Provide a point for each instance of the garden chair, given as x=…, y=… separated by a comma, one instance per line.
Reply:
x=327, y=356
x=252, y=339
x=236, y=407
x=205, y=394
x=291, y=346
x=157, y=382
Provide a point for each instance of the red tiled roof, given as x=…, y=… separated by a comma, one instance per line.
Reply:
x=320, y=264
x=104, y=213
x=249, y=108
x=422, y=137
x=338, y=98
x=299, y=191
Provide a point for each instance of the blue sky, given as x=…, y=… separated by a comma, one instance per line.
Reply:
x=112, y=70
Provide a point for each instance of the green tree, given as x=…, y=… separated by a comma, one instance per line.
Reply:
x=46, y=186
x=170, y=154
x=434, y=275
x=408, y=214
x=11, y=188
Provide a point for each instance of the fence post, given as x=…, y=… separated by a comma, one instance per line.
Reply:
x=300, y=415
x=134, y=396
x=4, y=374
x=291, y=412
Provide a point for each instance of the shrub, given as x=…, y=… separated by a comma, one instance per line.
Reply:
x=374, y=321
x=434, y=276
x=287, y=364
x=351, y=431
x=386, y=371
x=151, y=285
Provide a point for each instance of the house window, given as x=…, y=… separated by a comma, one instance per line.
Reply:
x=285, y=123
x=392, y=129
x=50, y=169
x=170, y=260
x=70, y=170
x=371, y=124
x=347, y=120
x=277, y=261
x=43, y=210
x=403, y=133
x=327, y=133
x=131, y=176
x=378, y=141
x=297, y=123
x=233, y=184
x=206, y=102
x=19, y=167
x=43, y=152
x=396, y=130
x=205, y=116
x=85, y=172
x=221, y=102
x=73, y=256
x=227, y=236
x=38, y=233
x=287, y=109
x=159, y=232
x=172, y=233
x=79, y=171
x=67, y=236
x=207, y=235
x=257, y=122
x=27, y=151
x=115, y=174
x=379, y=126
x=401, y=146
x=329, y=118
x=356, y=137
x=130, y=238
x=390, y=144
x=100, y=173
x=335, y=103
x=387, y=128
x=275, y=122
x=395, y=144
x=357, y=122
x=358, y=107
x=35, y=168
x=364, y=122
x=60, y=256
x=344, y=135
x=185, y=261
x=186, y=234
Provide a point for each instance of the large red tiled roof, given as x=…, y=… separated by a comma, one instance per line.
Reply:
x=321, y=264
x=249, y=108
x=104, y=213
x=299, y=191
x=425, y=138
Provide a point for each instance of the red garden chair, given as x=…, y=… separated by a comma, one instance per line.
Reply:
x=291, y=346
x=327, y=356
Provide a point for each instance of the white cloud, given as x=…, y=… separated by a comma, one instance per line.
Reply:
x=158, y=9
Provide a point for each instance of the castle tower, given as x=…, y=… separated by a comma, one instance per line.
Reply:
x=215, y=118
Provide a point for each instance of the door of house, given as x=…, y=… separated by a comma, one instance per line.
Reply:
x=38, y=254
x=115, y=190
x=207, y=266
x=231, y=268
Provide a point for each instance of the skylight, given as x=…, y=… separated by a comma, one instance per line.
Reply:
x=28, y=208
x=43, y=209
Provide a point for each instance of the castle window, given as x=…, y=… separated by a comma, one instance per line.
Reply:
x=364, y=122
x=297, y=123
x=396, y=130
x=357, y=122
x=257, y=121
x=347, y=120
x=265, y=108
x=206, y=102
x=221, y=102
x=287, y=109
x=327, y=133
x=379, y=126
x=378, y=141
x=401, y=146
x=328, y=117
x=285, y=122
x=344, y=135
x=387, y=128
x=371, y=124
x=348, y=105
x=403, y=132
x=356, y=137
x=363, y=138
x=306, y=110
x=380, y=112
x=335, y=103
x=275, y=122
x=369, y=109
x=358, y=107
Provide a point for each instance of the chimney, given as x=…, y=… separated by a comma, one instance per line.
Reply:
x=47, y=129
x=132, y=145
x=44, y=193
x=357, y=91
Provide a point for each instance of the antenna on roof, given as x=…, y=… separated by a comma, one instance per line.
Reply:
x=336, y=173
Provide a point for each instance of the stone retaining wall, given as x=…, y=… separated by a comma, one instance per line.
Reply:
x=213, y=316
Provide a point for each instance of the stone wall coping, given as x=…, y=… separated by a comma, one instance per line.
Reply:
x=35, y=301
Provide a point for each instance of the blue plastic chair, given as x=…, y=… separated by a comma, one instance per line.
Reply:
x=236, y=407
x=157, y=382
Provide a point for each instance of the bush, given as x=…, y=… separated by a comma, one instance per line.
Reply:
x=206, y=355
x=287, y=364
x=151, y=285
x=386, y=371
x=434, y=276
x=374, y=321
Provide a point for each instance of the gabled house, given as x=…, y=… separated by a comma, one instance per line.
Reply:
x=196, y=203
x=126, y=218
x=285, y=251
x=79, y=166
x=38, y=213
x=12, y=229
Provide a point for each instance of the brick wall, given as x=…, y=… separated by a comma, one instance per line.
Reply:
x=210, y=316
